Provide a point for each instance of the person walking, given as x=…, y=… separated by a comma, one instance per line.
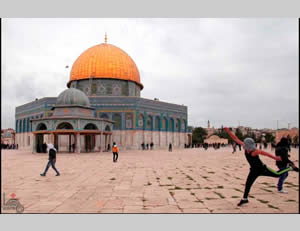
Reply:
x=257, y=167
x=281, y=150
x=115, y=152
x=52, y=160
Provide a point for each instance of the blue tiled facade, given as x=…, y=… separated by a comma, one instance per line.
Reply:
x=130, y=113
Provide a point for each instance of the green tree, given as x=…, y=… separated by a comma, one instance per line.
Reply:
x=223, y=134
x=199, y=134
x=239, y=134
x=269, y=138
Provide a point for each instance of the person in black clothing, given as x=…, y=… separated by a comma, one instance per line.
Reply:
x=52, y=160
x=170, y=147
x=282, y=149
x=240, y=147
x=151, y=145
x=289, y=142
x=257, y=167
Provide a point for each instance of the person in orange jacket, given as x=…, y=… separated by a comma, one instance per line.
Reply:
x=257, y=167
x=115, y=152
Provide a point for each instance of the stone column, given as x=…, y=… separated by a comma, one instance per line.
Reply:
x=34, y=144
x=94, y=142
x=161, y=144
x=105, y=142
x=78, y=143
x=70, y=143
x=110, y=140
x=100, y=142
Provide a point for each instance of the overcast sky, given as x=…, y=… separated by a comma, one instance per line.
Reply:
x=228, y=71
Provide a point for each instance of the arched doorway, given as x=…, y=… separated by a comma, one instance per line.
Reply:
x=40, y=146
x=90, y=139
x=64, y=142
x=107, y=138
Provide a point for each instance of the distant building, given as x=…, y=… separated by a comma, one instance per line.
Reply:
x=215, y=139
x=244, y=130
x=210, y=131
x=8, y=136
x=102, y=105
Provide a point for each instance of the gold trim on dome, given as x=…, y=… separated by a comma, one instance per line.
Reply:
x=105, y=61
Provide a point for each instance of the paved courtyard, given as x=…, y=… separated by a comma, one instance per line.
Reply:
x=154, y=181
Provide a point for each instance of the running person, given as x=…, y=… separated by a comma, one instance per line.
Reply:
x=282, y=150
x=257, y=167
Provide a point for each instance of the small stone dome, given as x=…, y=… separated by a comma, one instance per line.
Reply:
x=73, y=96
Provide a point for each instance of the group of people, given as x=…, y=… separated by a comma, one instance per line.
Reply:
x=258, y=168
x=207, y=145
x=9, y=146
x=146, y=146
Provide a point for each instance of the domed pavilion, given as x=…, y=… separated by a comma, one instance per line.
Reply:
x=104, y=89
x=73, y=126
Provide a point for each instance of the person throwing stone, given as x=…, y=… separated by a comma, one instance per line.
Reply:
x=52, y=160
x=257, y=167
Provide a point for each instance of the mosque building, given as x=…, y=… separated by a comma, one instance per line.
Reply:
x=101, y=105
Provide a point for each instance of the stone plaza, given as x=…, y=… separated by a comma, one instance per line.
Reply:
x=150, y=181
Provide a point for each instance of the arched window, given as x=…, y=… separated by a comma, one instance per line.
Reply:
x=31, y=124
x=157, y=123
x=27, y=123
x=164, y=124
x=24, y=125
x=141, y=121
x=17, y=123
x=107, y=128
x=177, y=125
x=117, y=119
x=41, y=126
x=171, y=127
x=20, y=126
x=149, y=123
x=64, y=125
x=128, y=119
x=183, y=126
x=90, y=126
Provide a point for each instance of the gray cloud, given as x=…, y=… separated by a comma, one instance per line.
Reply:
x=228, y=71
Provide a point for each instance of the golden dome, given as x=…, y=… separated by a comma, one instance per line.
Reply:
x=105, y=61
